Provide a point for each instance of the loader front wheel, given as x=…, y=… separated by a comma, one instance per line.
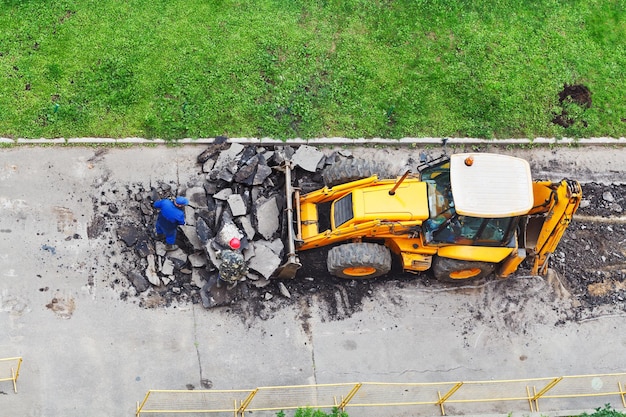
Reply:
x=359, y=260
x=454, y=270
x=355, y=169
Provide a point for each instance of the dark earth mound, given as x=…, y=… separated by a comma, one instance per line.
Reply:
x=572, y=99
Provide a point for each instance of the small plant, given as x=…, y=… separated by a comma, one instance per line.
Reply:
x=607, y=411
x=312, y=412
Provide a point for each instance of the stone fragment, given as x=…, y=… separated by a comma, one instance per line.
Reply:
x=275, y=245
x=283, y=290
x=197, y=260
x=197, y=197
x=143, y=247
x=228, y=231
x=246, y=225
x=260, y=283
x=226, y=173
x=262, y=172
x=210, y=188
x=160, y=248
x=268, y=296
x=245, y=174
x=168, y=267
x=213, y=150
x=226, y=164
x=230, y=154
x=308, y=158
x=138, y=281
x=128, y=233
x=256, y=193
x=248, y=252
x=192, y=237
x=190, y=218
x=252, y=276
x=146, y=208
x=199, y=277
x=151, y=273
x=212, y=253
x=223, y=194
x=166, y=280
x=267, y=217
x=282, y=154
x=607, y=196
x=584, y=203
x=208, y=300
x=178, y=256
x=203, y=231
x=267, y=153
x=264, y=261
x=237, y=205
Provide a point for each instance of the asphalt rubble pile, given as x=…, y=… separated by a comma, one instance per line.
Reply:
x=242, y=187
x=240, y=193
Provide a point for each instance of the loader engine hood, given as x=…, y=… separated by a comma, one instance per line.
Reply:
x=409, y=203
x=490, y=185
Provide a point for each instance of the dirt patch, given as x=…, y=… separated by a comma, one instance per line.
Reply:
x=62, y=306
x=573, y=99
x=576, y=93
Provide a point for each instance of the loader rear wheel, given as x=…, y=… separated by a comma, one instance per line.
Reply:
x=355, y=169
x=454, y=270
x=359, y=260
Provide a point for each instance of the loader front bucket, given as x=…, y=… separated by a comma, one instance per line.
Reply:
x=292, y=263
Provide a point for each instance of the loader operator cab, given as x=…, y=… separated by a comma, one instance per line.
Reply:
x=476, y=199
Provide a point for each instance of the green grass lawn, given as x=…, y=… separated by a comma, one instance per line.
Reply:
x=310, y=68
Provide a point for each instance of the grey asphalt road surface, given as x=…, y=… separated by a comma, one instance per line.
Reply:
x=89, y=353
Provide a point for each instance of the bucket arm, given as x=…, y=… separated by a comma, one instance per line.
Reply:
x=554, y=207
x=292, y=262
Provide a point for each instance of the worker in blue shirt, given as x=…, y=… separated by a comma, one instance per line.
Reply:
x=172, y=214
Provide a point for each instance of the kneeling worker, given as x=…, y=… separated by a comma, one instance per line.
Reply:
x=233, y=267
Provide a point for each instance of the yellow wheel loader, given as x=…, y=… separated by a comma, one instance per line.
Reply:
x=464, y=216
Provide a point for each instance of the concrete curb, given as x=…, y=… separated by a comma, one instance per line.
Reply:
x=322, y=141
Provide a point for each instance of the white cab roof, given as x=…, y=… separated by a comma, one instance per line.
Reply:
x=490, y=185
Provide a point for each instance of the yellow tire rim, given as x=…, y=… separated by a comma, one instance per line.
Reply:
x=359, y=271
x=465, y=273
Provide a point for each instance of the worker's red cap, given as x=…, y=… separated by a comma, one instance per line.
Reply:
x=234, y=243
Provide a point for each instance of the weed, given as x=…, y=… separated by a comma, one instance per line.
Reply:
x=312, y=412
x=605, y=411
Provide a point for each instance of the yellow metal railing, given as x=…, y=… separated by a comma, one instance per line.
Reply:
x=10, y=366
x=469, y=397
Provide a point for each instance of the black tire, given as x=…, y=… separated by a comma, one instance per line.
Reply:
x=359, y=260
x=457, y=271
x=355, y=169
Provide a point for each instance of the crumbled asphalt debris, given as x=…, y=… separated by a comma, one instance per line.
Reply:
x=590, y=260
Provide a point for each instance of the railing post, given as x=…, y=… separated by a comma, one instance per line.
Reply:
x=445, y=397
x=530, y=399
x=245, y=403
x=16, y=374
x=139, y=407
x=345, y=401
x=545, y=389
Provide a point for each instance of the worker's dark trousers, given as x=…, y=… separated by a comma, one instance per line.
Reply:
x=167, y=228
